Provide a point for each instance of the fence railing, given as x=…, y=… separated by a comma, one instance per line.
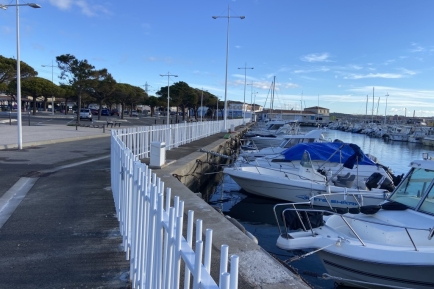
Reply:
x=139, y=139
x=151, y=228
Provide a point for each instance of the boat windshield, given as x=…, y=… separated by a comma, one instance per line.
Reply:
x=306, y=161
x=413, y=188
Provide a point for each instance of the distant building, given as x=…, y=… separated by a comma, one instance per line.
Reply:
x=309, y=116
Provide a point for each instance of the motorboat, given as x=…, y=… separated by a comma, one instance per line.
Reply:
x=286, y=142
x=270, y=128
x=269, y=138
x=428, y=140
x=389, y=245
x=339, y=169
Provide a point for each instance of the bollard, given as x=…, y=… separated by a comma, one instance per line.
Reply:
x=103, y=128
x=10, y=120
x=155, y=121
x=29, y=118
x=163, y=121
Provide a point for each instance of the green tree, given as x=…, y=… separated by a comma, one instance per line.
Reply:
x=77, y=73
x=153, y=102
x=102, y=87
x=8, y=70
x=67, y=92
x=181, y=95
x=36, y=87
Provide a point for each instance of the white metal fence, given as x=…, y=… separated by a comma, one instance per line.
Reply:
x=138, y=139
x=150, y=227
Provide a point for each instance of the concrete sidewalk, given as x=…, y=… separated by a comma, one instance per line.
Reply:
x=36, y=135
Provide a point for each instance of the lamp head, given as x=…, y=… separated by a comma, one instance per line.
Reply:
x=3, y=7
x=214, y=17
x=242, y=17
x=34, y=5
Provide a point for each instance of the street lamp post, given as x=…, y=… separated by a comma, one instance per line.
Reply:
x=19, y=125
x=251, y=99
x=245, y=79
x=52, y=80
x=227, y=58
x=217, y=111
x=168, y=93
x=168, y=113
x=201, y=107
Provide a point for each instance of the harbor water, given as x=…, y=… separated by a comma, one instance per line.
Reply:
x=256, y=213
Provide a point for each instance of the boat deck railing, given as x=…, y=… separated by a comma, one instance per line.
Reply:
x=302, y=214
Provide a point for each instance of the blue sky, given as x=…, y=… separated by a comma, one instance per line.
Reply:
x=335, y=53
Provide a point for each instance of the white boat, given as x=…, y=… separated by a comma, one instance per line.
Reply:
x=428, y=140
x=297, y=179
x=286, y=142
x=269, y=138
x=398, y=132
x=270, y=128
x=384, y=246
x=418, y=134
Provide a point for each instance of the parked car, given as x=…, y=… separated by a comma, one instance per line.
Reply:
x=105, y=111
x=86, y=113
x=134, y=113
x=94, y=111
x=114, y=112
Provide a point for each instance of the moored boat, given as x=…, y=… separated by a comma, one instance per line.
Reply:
x=385, y=246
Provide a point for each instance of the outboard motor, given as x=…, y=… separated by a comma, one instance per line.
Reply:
x=378, y=181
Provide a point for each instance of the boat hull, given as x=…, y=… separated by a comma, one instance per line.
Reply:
x=299, y=191
x=402, y=275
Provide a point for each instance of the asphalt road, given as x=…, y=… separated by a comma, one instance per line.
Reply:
x=47, y=118
x=64, y=233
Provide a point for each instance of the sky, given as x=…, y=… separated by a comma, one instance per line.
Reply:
x=361, y=57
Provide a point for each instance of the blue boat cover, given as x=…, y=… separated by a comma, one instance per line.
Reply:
x=349, y=154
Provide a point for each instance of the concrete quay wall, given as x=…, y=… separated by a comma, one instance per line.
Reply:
x=257, y=268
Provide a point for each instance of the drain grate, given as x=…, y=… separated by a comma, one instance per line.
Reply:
x=35, y=174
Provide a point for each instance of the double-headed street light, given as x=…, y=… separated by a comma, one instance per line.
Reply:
x=52, y=80
x=168, y=93
x=245, y=78
x=227, y=57
x=4, y=7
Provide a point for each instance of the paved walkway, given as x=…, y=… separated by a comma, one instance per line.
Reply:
x=35, y=135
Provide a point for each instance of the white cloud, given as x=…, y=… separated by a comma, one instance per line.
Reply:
x=416, y=48
x=316, y=57
x=318, y=69
x=62, y=4
x=374, y=75
x=86, y=8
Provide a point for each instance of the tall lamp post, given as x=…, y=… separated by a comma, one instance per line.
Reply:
x=19, y=125
x=227, y=58
x=201, y=106
x=168, y=93
x=245, y=79
x=52, y=80
x=168, y=97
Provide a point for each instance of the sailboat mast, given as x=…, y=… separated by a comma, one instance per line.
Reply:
x=366, y=113
x=372, y=116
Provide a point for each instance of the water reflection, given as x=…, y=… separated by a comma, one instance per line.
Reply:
x=256, y=213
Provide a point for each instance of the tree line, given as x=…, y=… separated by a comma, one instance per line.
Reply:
x=81, y=82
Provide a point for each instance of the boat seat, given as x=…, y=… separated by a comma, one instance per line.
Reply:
x=348, y=182
x=346, y=176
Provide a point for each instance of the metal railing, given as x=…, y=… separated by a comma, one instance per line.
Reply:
x=151, y=228
x=139, y=139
